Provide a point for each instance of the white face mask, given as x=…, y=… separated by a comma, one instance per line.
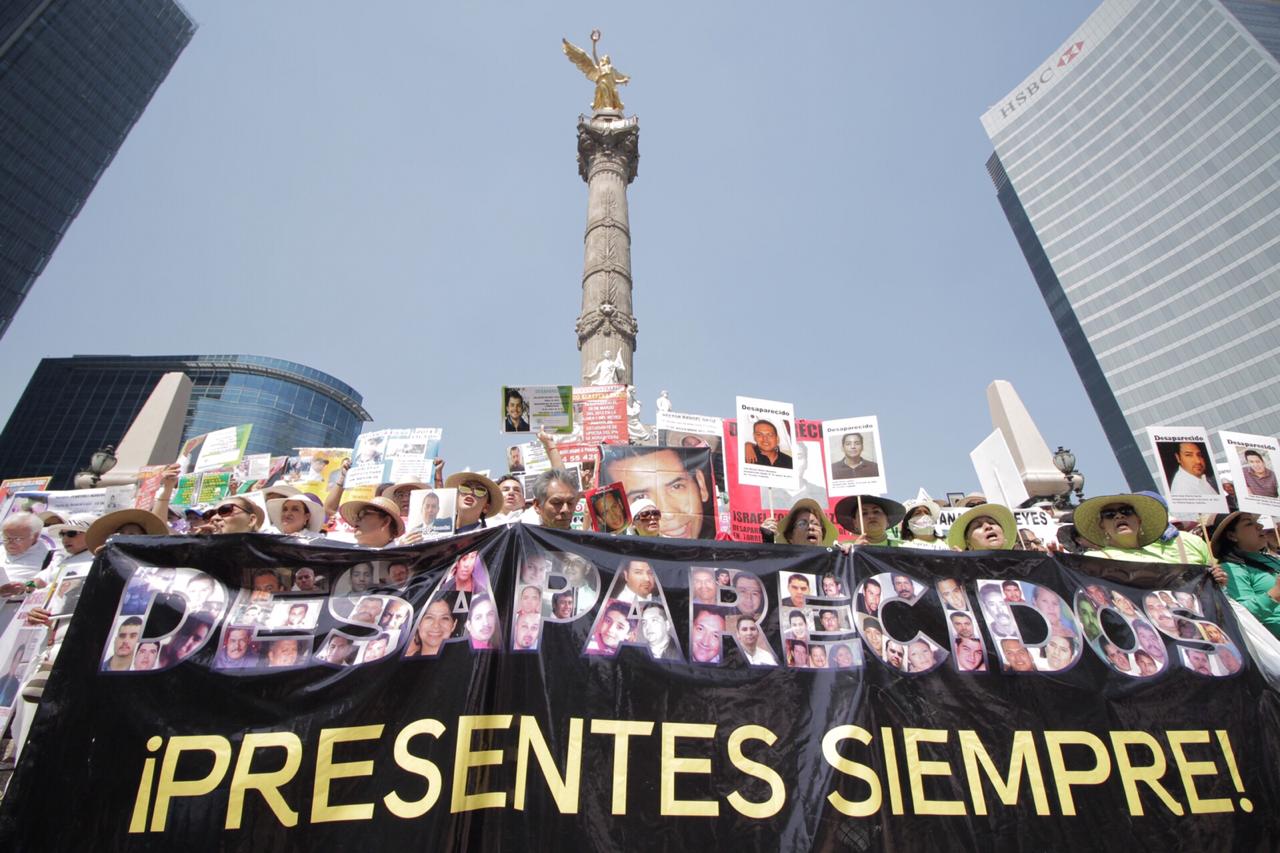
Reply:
x=921, y=524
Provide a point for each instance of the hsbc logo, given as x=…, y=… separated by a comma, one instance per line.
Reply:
x=1024, y=95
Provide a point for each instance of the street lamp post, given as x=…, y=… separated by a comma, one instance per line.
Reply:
x=100, y=463
x=1065, y=461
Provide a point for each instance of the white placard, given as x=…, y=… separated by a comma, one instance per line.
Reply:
x=997, y=472
x=1186, y=470
x=855, y=461
x=766, y=430
x=1252, y=461
x=432, y=518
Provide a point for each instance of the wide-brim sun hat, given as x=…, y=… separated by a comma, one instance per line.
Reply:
x=912, y=505
x=829, y=532
x=280, y=490
x=75, y=521
x=1003, y=516
x=1152, y=515
x=106, y=526
x=495, y=494
x=848, y=508
x=390, y=489
x=247, y=505
x=351, y=509
x=1218, y=542
x=315, y=511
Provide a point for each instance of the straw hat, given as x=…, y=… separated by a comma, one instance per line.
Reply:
x=315, y=511
x=495, y=495
x=848, y=508
x=75, y=521
x=351, y=509
x=956, y=537
x=829, y=531
x=97, y=533
x=279, y=490
x=1153, y=516
x=390, y=489
x=1218, y=541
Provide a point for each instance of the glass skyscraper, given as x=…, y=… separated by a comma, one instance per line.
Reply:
x=1139, y=167
x=75, y=75
x=73, y=406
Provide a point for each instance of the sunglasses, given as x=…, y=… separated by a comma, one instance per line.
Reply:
x=650, y=513
x=370, y=512
x=228, y=509
x=73, y=533
x=475, y=491
x=1121, y=512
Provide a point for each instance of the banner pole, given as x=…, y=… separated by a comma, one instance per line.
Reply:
x=861, y=531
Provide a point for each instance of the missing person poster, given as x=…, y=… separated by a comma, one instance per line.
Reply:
x=1252, y=461
x=600, y=414
x=222, y=448
x=316, y=469
x=855, y=463
x=529, y=408
x=678, y=479
x=676, y=429
x=431, y=512
x=251, y=693
x=607, y=508
x=766, y=443
x=749, y=506
x=1186, y=470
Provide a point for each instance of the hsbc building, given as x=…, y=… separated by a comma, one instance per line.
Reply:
x=1139, y=168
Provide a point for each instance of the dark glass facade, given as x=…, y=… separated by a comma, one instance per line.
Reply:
x=75, y=75
x=1139, y=168
x=73, y=406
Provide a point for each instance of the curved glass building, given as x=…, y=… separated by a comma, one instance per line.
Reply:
x=1139, y=167
x=73, y=406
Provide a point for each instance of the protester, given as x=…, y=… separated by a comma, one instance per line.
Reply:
x=376, y=522
x=24, y=554
x=805, y=524
x=512, y=499
x=401, y=492
x=1131, y=530
x=1253, y=575
x=877, y=516
x=76, y=557
x=646, y=518
x=123, y=522
x=985, y=527
x=301, y=516
x=238, y=514
x=918, y=526
x=555, y=496
x=478, y=497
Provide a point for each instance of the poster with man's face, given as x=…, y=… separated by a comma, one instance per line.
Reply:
x=766, y=444
x=855, y=465
x=1252, y=460
x=1186, y=467
x=678, y=480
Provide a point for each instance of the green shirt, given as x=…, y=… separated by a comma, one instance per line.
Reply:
x=1194, y=551
x=1249, y=586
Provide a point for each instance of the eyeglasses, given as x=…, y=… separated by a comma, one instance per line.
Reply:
x=1118, y=512
x=475, y=491
x=804, y=525
x=21, y=537
x=228, y=509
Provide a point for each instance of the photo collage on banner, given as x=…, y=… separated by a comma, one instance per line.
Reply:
x=1186, y=471
x=607, y=508
x=962, y=626
x=1252, y=460
x=876, y=595
x=635, y=613
x=855, y=462
x=728, y=602
x=529, y=408
x=363, y=595
x=152, y=597
x=766, y=443
x=554, y=587
x=1060, y=647
x=816, y=615
x=432, y=512
x=1180, y=616
x=461, y=608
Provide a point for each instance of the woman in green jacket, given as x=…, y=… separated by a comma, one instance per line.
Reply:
x=1253, y=575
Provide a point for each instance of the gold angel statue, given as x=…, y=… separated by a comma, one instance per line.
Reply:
x=599, y=71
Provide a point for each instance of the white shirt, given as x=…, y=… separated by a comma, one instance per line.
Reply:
x=760, y=657
x=70, y=566
x=1186, y=484
x=25, y=566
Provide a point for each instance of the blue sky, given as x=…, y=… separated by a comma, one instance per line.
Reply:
x=388, y=192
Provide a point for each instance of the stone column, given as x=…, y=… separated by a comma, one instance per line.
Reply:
x=608, y=150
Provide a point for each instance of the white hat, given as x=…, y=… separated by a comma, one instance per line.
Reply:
x=642, y=505
x=75, y=521
x=315, y=510
x=930, y=507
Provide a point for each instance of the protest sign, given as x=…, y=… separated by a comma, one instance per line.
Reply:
x=585, y=456
x=1035, y=519
x=412, y=712
x=431, y=512
x=680, y=430
x=766, y=443
x=855, y=463
x=515, y=459
x=608, y=509
x=997, y=472
x=529, y=408
x=24, y=484
x=200, y=489
x=749, y=506
x=534, y=456
x=315, y=469
x=98, y=501
x=1185, y=466
x=221, y=448
x=394, y=456
x=678, y=479
x=254, y=468
x=1252, y=460
x=150, y=481
x=600, y=414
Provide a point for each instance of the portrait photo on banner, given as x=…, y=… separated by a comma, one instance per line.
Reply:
x=855, y=461
x=1251, y=461
x=766, y=443
x=679, y=480
x=1186, y=470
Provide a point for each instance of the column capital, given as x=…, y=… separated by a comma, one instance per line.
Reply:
x=608, y=143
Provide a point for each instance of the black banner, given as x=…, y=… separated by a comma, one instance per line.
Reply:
x=525, y=688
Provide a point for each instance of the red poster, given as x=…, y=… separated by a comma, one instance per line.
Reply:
x=749, y=506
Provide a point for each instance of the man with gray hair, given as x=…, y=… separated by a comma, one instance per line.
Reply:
x=24, y=554
x=555, y=496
